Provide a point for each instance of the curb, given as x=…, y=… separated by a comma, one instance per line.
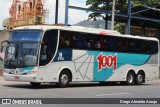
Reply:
x=1, y=79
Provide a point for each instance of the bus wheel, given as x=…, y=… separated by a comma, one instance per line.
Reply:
x=130, y=78
x=139, y=78
x=35, y=84
x=64, y=79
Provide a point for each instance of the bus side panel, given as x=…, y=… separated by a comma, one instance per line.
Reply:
x=153, y=63
x=91, y=66
x=83, y=65
x=107, y=64
x=50, y=73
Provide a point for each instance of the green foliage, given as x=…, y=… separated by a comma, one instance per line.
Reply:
x=121, y=5
x=145, y=3
x=104, y=6
x=118, y=27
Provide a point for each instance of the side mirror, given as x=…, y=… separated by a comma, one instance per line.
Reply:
x=42, y=43
x=2, y=47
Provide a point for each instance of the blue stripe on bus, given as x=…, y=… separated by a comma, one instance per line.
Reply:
x=28, y=68
x=122, y=59
x=21, y=70
x=63, y=55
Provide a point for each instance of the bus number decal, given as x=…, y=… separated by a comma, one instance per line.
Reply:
x=107, y=61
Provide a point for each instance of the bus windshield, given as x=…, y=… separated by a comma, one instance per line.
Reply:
x=22, y=49
x=21, y=54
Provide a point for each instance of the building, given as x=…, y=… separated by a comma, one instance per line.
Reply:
x=25, y=13
x=147, y=26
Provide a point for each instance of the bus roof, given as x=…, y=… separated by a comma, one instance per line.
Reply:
x=84, y=30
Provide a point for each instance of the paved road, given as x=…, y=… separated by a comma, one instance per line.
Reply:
x=79, y=90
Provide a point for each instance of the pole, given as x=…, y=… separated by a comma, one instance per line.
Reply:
x=113, y=14
x=129, y=17
x=107, y=5
x=56, y=12
x=66, y=12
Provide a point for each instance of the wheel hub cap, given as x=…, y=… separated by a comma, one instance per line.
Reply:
x=64, y=79
x=140, y=78
x=130, y=78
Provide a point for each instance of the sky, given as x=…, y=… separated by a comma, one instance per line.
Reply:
x=75, y=16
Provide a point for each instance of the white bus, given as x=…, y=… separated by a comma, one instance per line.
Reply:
x=47, y=54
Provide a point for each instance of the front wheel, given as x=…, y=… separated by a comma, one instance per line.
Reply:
x=64, y=79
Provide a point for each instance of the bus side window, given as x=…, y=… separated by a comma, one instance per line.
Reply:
x=43, y=53
x=48, y=47
x=113, y=43
x=106, y=44
x=138, y=46
x=73, y=42
x=147, y=49
x=154, y=47
x=119, y=45
x=61, y=42
x=97, y=45
x=126, y=45
x=88, y=44
x=66, y=42
x=79, y=41
x=132, y=46
x=67, y=39
x=102, y=43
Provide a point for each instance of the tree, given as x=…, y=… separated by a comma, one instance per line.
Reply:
x=104, y=5
x=121, y=5
x=145, y=3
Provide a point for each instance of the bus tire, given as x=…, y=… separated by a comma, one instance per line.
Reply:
x=36, y=84
x=139, y=78
x=64, y=79
x=130, y=78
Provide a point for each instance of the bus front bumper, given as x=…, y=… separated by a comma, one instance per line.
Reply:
x=21, y=78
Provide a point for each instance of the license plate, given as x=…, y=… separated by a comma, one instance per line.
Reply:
x=16, y=77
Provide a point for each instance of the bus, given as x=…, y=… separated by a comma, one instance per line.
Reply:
x=60, y=54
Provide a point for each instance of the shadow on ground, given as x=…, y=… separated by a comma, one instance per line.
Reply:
x=72, y=85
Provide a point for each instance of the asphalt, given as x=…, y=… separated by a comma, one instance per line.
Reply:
x=1, y=79
x=11, y=89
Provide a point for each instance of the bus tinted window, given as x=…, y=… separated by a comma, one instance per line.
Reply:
x=154, y=47
x=48, y=47
x=86, y=41
x=65, y=39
